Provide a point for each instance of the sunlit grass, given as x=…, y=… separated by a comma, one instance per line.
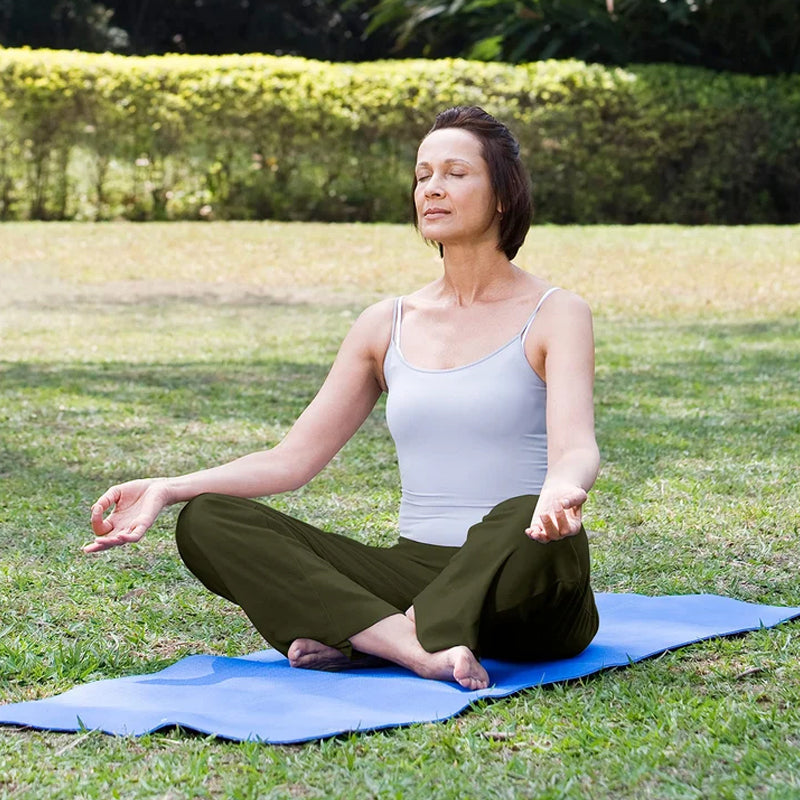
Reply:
x=642, y=271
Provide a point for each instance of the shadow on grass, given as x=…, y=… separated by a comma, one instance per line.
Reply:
x=67, y=430
x=665, y=392
x=702, y=391
x=180, y=391
x=155, y=295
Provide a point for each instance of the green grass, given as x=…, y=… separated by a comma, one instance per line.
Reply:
x=129, y=350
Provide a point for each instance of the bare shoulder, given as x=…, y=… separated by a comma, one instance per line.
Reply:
x=368, y=339
x=563, y=314
x=370, y=336
x=374, y=324
x=565, y=304
x=562, y=330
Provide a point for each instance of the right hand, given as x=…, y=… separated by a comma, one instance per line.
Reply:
x=136, y=505
x=558, y=513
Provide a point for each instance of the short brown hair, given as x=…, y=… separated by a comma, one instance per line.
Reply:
x=509, y=177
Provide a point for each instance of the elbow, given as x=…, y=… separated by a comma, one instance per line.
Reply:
x=295, y=469
x=594, y=452
x=595, y=461
x=589, y=453
x=299, y=477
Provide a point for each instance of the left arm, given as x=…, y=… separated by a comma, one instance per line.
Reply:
x=562, y=349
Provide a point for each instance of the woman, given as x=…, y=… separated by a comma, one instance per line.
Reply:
x=489, y=374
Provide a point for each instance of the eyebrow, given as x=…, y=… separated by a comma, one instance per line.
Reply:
x=446, y=161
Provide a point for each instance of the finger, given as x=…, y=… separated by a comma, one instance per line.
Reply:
x=574, y=517
x=574, y=500
x=558, y=516
x=103, y=504
x=539, y=537
x=565, y=522
x=108, y=499
x=98, y=545
x=117, y=539
x=534, y=529
x=552, y=526
x=550, y=523
x=105, y=543
x=537, y=532
x=541, y=527
x=100, y=526
x=134, y=534
x=537, y=520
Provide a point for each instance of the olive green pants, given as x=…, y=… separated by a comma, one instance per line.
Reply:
x=500, y=594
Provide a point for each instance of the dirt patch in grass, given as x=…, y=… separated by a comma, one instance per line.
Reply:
x=43, y=292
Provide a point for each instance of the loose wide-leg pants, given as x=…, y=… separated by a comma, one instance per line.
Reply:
x=500, y=594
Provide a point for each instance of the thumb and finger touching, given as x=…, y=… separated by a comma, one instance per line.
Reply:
x=126, y=523
x=116, y=537
x=562, y=518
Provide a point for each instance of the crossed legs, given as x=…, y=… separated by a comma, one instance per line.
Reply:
x=326, y=600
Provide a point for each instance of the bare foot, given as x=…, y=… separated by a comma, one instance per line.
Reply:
x=454, y=664
x=457, y=664
x=311, y=654
x=395, y=639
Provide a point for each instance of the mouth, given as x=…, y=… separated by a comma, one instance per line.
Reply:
x=435, y=212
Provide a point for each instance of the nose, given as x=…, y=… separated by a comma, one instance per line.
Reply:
x=434, y=188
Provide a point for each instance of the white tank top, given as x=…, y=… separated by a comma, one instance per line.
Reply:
x=467, y=438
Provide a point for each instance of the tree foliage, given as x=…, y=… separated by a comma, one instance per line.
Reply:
x=74, y=24
x=760, y=37
x=751, y=36
x=324, y=29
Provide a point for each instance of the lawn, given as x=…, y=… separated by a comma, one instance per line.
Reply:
x=129, y=350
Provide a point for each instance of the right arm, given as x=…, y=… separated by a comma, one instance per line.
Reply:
x=344, y=401
x=563, y=346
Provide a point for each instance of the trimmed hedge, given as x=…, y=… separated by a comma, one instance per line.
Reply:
x=86, y=136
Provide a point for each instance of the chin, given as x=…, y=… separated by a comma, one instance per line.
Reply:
x=434, y=231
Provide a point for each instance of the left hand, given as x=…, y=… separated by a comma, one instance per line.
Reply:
x=558, y=513
x=135, y=504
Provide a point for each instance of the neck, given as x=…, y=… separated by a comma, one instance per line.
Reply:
x=472, y=274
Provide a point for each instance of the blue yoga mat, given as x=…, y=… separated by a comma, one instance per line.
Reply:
x=261, y=697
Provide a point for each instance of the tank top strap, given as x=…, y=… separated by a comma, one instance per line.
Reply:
x=397, y=315
x=532, y=317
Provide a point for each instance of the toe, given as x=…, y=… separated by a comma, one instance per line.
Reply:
x=295, y=650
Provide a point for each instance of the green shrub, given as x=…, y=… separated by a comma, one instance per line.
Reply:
x=87, y=136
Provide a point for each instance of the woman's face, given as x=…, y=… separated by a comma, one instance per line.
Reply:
x=454, y=198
